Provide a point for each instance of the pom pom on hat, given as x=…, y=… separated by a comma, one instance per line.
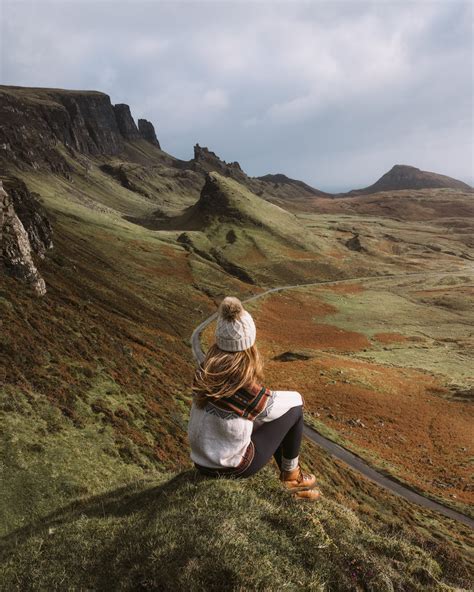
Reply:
x=230, y=308
x=235, y=330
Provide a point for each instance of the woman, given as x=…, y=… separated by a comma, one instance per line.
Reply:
x=237, y=424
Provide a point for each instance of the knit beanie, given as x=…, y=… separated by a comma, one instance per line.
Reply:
x=235, y=330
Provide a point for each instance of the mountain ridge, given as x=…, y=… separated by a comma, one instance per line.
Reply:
x=86, y=121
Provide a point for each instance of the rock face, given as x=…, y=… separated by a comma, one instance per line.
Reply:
x=147, y=132
x=37, y=125
x=402, y=176
x=125, y=122
x=24, y=231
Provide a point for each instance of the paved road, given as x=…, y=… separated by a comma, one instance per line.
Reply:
x=334, y=449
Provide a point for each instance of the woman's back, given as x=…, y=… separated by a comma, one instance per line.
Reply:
x=236, y=424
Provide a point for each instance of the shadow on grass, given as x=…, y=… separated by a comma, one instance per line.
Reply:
x=123, y=501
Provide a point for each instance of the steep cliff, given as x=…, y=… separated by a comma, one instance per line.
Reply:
x=42, y=128
x=35, y=122
x=25, y=231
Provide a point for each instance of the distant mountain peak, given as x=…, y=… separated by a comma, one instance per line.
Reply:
x=403, y=176
x=281, y=179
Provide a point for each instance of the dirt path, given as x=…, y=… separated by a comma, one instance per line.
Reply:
x=334, y=449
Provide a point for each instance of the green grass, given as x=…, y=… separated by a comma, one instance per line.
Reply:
x=437, y=333
x=185, y=532
x=46, y=461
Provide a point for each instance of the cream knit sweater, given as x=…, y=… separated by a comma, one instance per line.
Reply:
x=219, y=438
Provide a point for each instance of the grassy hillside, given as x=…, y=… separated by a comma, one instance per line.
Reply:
x=191, y=533
x=95, y=376
x=248, y=237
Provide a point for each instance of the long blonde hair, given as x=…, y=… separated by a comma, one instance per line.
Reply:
x=222, y=373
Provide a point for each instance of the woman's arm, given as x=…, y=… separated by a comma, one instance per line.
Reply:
x=278, y=404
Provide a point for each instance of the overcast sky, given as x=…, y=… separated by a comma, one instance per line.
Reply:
x=331, y=93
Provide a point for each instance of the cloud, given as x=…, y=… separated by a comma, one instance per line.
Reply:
x=333, y=93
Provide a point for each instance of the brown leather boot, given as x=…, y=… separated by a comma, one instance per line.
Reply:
x=307, y=494
x=296, y=479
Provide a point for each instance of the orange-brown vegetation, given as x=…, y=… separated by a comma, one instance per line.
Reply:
x=396, y=415
x=424, y=437
x=406, y=204
x=97, y=336
x=390, y=337
x=354, y=288
x=300, y=331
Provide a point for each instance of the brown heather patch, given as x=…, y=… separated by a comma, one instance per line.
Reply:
x=285, y=322
x=251, y=256
x=390, y=337
x=336, y=254
x=140, y=245
x=173, y=264
x=207, y=336
x=290, y=253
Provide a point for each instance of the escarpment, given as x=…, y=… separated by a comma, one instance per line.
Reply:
x=127, y=126
x=38, y=125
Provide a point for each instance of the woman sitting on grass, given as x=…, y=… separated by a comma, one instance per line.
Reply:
x=237, y=424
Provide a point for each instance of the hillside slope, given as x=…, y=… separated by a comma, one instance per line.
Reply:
x=251, y=238
x=192, y=533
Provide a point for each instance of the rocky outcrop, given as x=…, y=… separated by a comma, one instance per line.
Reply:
x=147, y=132
x=93, y=127
x=30, y=130
x=402, y=176
x=354, y=244
x=206, y=161
x=25, y=231
x=119, y=172
x=31, y=213
x=125, y=122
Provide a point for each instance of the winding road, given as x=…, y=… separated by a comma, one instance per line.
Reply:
x=352, y=460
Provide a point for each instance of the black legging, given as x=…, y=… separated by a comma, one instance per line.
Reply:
x=279, y=437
